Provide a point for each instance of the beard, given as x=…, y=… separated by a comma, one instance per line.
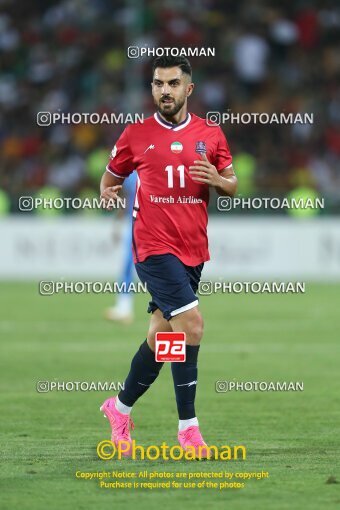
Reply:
x=170, y=109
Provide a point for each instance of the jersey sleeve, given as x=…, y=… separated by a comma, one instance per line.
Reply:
x=223, y=158
x=121, y=158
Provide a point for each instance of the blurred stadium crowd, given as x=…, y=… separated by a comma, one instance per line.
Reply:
x=71, y=56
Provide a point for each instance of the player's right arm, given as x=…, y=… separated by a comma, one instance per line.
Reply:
x=119, y=167
x=109, y=188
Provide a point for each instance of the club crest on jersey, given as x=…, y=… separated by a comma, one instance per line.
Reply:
x=201, y=148
x=176, y=147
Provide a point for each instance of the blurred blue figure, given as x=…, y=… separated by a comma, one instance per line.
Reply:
x=123, y=309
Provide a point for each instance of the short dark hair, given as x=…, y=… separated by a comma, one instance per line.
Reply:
x=170, y=61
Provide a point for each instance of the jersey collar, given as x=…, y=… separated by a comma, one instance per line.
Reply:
x=173, y=127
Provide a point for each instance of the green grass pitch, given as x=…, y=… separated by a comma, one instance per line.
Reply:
x=295, y=436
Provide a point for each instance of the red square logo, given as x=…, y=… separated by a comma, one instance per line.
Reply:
x=170, y=347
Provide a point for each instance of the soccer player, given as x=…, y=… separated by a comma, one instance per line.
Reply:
x=178, y=157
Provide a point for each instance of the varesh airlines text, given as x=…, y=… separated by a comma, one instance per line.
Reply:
x=171, y=200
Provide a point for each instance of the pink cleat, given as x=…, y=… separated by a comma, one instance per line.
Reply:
x=192, y=437
x=120, y=424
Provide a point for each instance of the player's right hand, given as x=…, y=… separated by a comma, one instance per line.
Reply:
x=109, y=195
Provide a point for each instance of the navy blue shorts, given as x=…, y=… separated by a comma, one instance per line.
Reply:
x=172, y=284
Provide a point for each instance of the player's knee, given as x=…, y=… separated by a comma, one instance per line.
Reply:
x=157, y=324
x=151, y=337
x=195, y=330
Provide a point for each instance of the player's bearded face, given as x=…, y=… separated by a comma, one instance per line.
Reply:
x=169, y=105
x=169, y=90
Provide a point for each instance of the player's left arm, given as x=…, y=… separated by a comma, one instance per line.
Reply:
x=224, y=182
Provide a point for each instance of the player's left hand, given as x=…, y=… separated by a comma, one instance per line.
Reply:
x=204, y=171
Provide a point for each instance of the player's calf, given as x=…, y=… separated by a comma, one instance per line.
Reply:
x=185, y=375
x=143, y=372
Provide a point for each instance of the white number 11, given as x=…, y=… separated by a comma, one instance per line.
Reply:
x=170, y=170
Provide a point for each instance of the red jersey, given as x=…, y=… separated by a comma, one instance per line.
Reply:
x=170, y=210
